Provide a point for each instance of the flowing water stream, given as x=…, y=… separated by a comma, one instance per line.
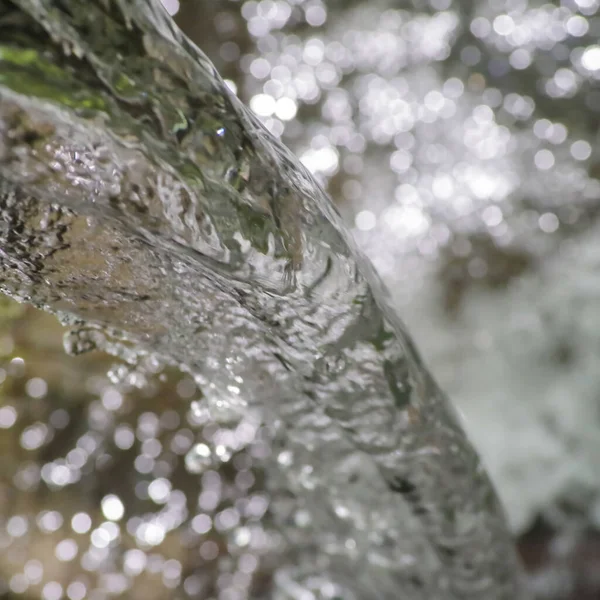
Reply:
x=143, y=204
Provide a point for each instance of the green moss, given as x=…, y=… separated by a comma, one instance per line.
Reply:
x=26, y=57
x=125, y=85
x=26, y=72
x=18, y=56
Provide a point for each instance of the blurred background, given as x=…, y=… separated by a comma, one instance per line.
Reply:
x=459, y=139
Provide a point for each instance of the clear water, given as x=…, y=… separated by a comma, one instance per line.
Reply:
x=150, y=210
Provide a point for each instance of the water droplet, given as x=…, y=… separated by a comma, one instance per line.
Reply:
x=199, y=413
x=198, y=459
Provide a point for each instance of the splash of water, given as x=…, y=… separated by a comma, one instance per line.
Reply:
x=139, y=195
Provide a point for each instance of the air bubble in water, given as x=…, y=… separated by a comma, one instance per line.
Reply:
x=80, y=341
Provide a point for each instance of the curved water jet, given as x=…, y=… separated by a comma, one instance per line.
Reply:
x=140, y=196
